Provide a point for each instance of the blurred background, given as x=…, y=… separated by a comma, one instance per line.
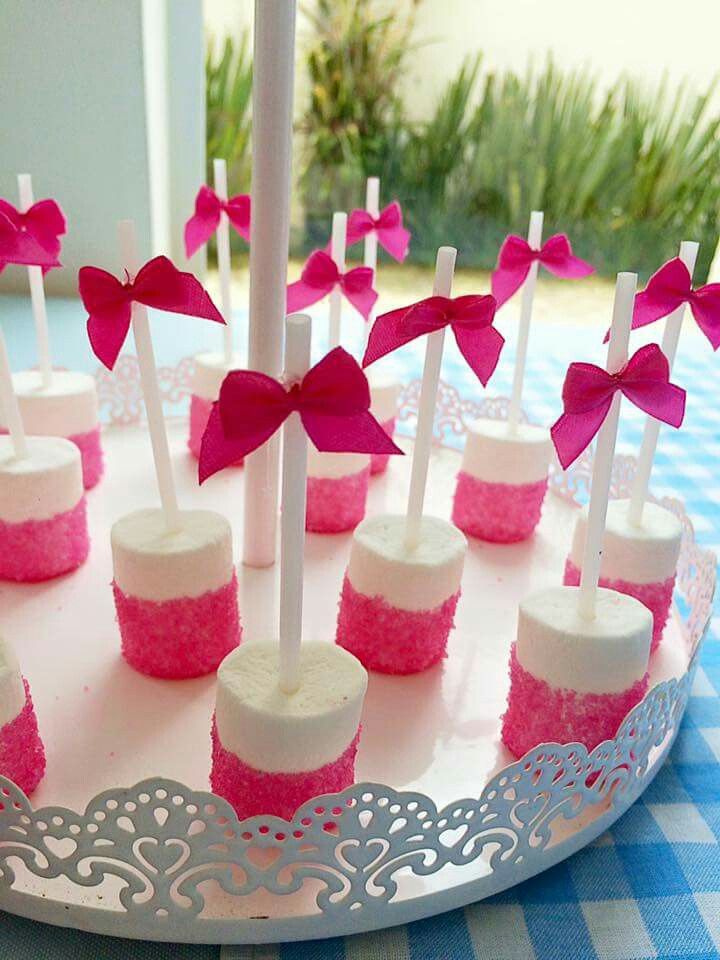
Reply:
x=472, y=112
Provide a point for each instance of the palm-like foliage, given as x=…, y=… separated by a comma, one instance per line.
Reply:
x=228, y=104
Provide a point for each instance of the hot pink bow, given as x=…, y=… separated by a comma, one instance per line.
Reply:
x=516, y=256
x=388, y=226
x=320, y=275
x=158, y=284
x=588, y=392
x=21, y=247
x=204, y=221
x=470, y=318
x=670, y=287
x=333, y=400
x=43, y=223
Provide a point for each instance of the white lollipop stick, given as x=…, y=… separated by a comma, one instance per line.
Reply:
x=298, y=330
x=337, y=252
x=273, y=73
x=149, y=382
x=617, y=356
x=222, y=236
x=671, y=336
x=526, y=307
x=444, y=270
x=37, y=292
x=9, y=403
x=372, y=205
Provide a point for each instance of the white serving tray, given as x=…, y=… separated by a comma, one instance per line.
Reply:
x=163, y=859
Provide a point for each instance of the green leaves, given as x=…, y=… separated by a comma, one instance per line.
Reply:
x=228, y=105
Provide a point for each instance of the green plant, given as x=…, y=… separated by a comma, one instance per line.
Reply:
x=228, y=105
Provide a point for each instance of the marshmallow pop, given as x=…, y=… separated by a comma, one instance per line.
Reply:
x=402, y=583
x=22, y=755
x=174, y=581
x=642, y=539
x=287, y=716
x=58, y=403
x=214, y=214
x=385, y=228
x=580, y=660
x=502, y=483
x=337, y=483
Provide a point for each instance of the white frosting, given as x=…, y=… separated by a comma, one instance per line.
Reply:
x=46, y=482
x=605, y=655
x=288, y=733
x=421, y=579
x=150, y=563
x=645, y=554
x=210, y=371
x=67, y=407
x=494, y=454
x=332, y=466
x=384, y=394
x=12, y=688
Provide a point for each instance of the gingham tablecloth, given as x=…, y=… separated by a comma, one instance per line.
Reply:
x=650, y=887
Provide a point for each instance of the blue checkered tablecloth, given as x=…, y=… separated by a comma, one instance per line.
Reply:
x=650, y=887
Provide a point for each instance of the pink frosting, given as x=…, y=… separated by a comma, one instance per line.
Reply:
x=336, y=504
x=35, y=550
x=389, y=640
x=200, y=408
x=498, y=512
x=179, y=638
x=657, y=597
x=379, y=461
x=22, y=755
x=252, y=792
x=538, y=713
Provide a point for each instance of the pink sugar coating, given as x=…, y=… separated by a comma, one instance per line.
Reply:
x=251, y=792
x=200, y=408
x=91, y=453
x=180, y=638
x=657, y=597
x=497, y=512
x=22, y=754
x=36, y=550
x=389, y=640
x=336, y=504
x=538, y=713
x=379, y=461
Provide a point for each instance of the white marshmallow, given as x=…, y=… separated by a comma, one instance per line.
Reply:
x=152, y=564
x=45, y=483
x=384, y=395
x=210, y=371
x=645, y=554
x=67, y=407
x=605, y=655
x=419, y=579
x=288, y=733
x=333, y=466
x=494, y=454
x=12, y=688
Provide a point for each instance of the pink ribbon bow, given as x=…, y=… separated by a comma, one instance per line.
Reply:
x=320, y=275
x=41, y=225
x=470, y=318
x=20, y=247
x=388, y=226
x=204, y=221
x=333, y=400
x=158, y=284
x=588, y=392
x=516, y=256
x=669, y=288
